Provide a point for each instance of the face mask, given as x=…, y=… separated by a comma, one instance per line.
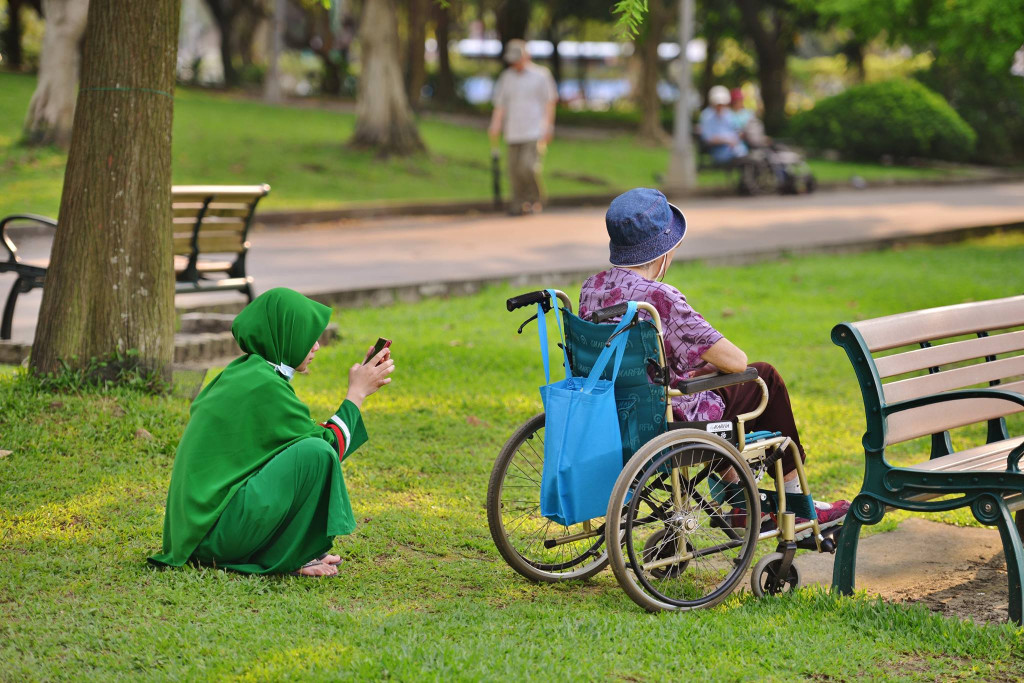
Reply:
x=663, y=270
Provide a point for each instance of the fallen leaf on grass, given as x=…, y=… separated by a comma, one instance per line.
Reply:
x=475, y=421
x=143, y=434
x=4, y=454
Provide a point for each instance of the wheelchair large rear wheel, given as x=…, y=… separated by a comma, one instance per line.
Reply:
x=533, y=545
x=683, y=521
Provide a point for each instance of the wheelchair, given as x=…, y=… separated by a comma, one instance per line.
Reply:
x=686, y=511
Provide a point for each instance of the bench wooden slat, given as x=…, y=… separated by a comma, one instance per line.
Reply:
x=218, y=243
x=986, y=456
x=222, y=222
x=203, y=191
x=191, y=210
x=945, y=354
x=940, y=417
x=903, y=329
x=956, y=378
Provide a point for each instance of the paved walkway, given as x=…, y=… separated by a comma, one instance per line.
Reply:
x=358, y=254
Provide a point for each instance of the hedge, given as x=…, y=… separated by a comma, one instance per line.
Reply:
x=899, y=118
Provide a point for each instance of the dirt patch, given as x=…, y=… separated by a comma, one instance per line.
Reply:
x=955, y=571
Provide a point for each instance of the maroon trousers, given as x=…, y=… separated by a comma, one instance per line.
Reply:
x=777, y=415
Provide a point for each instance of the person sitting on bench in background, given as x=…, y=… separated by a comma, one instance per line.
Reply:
x=718, y=127
x=645, y=231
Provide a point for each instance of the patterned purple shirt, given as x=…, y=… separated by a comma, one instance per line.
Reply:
x=687, y=335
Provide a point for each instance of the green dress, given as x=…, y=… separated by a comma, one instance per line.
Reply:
x=257, y=484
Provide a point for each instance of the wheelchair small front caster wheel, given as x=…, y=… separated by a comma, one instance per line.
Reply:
x=765, y=578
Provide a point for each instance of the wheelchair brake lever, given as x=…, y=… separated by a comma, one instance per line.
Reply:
x=526, y=322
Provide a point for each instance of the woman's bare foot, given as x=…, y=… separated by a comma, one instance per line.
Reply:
x=331, y=559
x=318, y=569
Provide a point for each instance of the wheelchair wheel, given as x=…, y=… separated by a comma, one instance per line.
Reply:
x=683, y=521
x=767, y=580
x=533, y=545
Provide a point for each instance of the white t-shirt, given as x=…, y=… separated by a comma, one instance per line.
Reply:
x=524, y=95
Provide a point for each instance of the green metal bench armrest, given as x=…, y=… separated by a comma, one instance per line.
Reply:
x=12, y=250
x=1013, y=459
x=959, y=395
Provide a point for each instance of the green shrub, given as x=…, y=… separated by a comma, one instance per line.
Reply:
x=900, y=118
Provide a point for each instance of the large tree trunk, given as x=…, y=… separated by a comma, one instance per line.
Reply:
x=110, y=286
x=445, y=78
x=647, y=94
x=384, y=120
x=52, y=108
x=416, y=69
x=682, y=166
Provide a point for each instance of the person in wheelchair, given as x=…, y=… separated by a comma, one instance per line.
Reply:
x=644, y=231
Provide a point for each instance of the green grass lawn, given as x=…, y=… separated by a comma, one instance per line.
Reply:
x=423, y=593
x=301, y=152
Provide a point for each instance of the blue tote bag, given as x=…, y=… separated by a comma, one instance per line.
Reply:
x=582, y=443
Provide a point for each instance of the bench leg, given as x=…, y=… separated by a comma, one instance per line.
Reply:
x=8, y=319
x=990, y=509
x=863, y=510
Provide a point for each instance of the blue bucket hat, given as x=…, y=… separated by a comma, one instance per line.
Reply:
x=642, y=226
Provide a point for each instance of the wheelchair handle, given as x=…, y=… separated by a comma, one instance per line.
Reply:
x=616, y=311
x=538, y=297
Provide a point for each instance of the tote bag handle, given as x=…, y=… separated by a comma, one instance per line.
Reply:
x=542, y=330
x=617, y=347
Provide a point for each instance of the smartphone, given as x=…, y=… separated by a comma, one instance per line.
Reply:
x=382, y=343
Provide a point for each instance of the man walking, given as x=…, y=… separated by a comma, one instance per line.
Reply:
x=524, y=109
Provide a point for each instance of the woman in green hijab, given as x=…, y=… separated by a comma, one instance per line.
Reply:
x=257, y=484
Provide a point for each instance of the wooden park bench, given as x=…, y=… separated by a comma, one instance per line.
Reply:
x=946, y=368
x=210, y=228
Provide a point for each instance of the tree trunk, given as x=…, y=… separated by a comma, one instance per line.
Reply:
x=445, y=78
x=110, y=285
x=416, y=69
x=384, y=120
x=647, y=94
x=11, y=37
x=52, y=108
x=772, y=73
x=513, y=18
x=224, y=12
x=682, y=166
x=556, y=59
x=272, y=81
x=772, y=33
x=707, y=77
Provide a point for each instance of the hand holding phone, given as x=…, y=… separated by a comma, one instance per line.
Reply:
x=381, y=344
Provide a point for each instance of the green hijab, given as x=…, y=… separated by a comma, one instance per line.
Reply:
x=243, y=418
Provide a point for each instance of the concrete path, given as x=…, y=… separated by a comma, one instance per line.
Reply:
x=359, y=254
x=957, y=571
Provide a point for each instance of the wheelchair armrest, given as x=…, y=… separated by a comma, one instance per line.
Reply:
x=716, y=381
